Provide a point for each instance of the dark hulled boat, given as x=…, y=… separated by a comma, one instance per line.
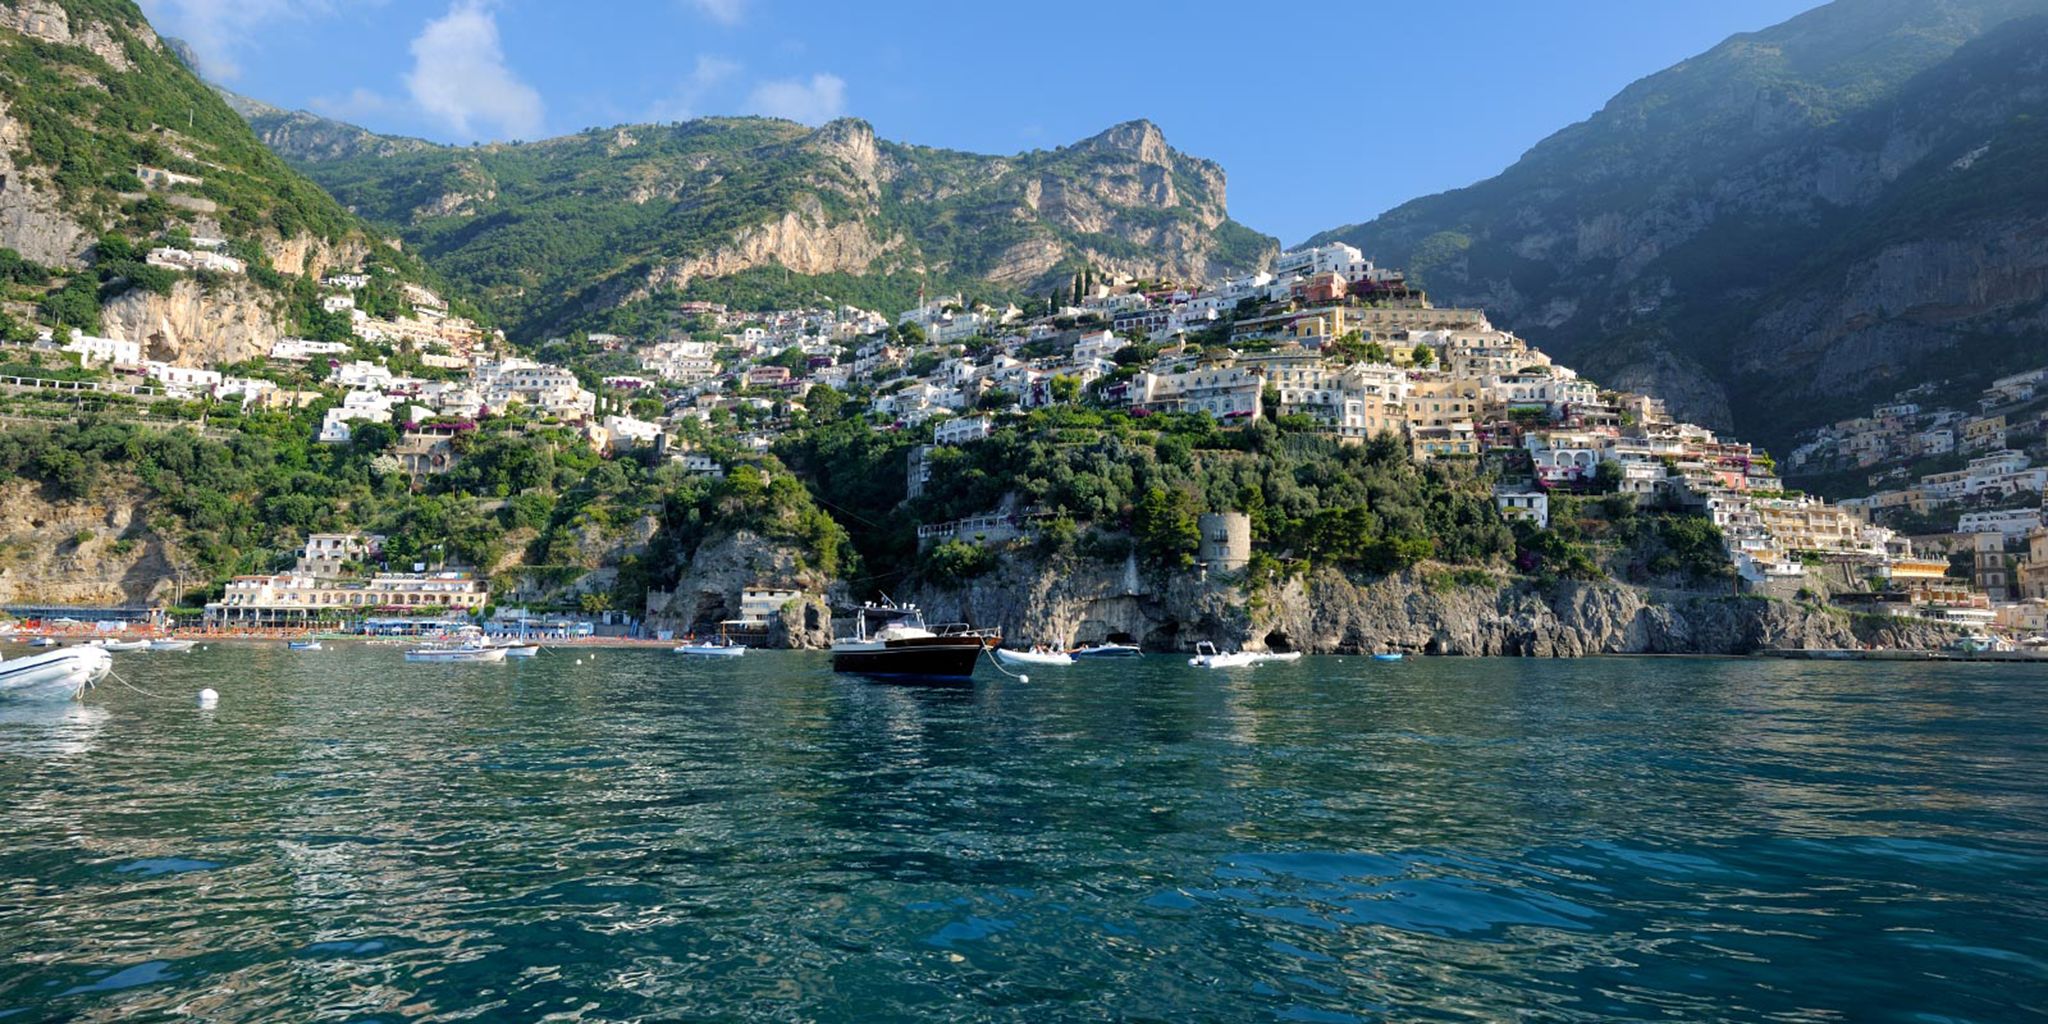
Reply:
x=891, y=640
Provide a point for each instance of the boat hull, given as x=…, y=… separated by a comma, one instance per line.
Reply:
x=59, y=675
x=1031, y=658
x=1107, y=651
x=493, y=654
x=696, y=651
x=939, y=657
x=522, y=651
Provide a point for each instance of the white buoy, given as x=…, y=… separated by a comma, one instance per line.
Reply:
x=1023, y=678
x=208, y=697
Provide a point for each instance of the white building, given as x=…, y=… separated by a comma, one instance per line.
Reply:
x=2012, y=524
x=299, y=350
x=114, y=352
x=960, y=430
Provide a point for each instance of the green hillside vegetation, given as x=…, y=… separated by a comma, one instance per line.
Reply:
x=1113, y=485
x=90, y=124
x=519, y=497
x=557, y=235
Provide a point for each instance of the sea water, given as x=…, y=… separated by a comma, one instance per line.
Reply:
x=350, y=837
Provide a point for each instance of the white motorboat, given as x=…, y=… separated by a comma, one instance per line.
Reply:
x=519, y=650
x=60, y=674
x=1270, y=657
x=305, y=645
x=42, y=641
x=1051, y=659
x=117, y=646
x=456, y=655
x=1207, y=656
x=1107, y=650
x=174, y=646
x=714, y=647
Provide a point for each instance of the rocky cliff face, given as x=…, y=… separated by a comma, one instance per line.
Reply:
x=1072, y=602
x=89, y=551
x=33, y=220
x=708, y=590
x=1777, y=231
x=194, y=327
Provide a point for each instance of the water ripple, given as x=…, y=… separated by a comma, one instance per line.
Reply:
x=347, y=837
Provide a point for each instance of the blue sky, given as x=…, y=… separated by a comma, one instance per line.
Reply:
x=1321, y=113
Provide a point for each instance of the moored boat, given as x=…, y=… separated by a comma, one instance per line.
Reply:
x=1044, y=658
x=1106, y=650
x=711, y=647
x=59, y=674
x=305, y=645
x=1271, y=657
x=456, y=655
x=116, y=646
x=902, y=646
x=1207, y=656
x=1387, y=656
x=172, y=646
x=520, y=650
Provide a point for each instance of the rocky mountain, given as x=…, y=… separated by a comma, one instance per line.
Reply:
x=580, y=228
x=105, y=130
x=1779, y=230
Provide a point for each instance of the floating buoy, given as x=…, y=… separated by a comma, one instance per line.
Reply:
x=1023, y=678
x=208, y=697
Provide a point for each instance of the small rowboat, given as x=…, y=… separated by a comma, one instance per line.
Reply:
x=1053, y=659
x=456, y=655
x=305, y=645
x=172, y=646
x=1390, y=656
x=122, y=645
x=520, y=650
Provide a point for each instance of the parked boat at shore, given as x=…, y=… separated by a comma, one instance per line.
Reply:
x=59, y=674
x=170, y=645
x=902, y=646
x=117, y=646
x=1035, y=656
x=515, y=649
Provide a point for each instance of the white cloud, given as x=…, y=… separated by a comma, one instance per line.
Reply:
x=725, y=12
x=216, y=29
x=682, y=104
x=821, y=99
x=359, y=105
x=459, y=77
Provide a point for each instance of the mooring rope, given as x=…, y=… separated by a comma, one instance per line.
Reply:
x=116, y=676
x=998, y=663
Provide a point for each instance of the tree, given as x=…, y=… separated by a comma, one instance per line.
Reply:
x=1422, y=354
x=1166, y=527
x=1066, y=389
x=371, y=437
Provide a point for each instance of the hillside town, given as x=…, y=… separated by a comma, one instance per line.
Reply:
x=1323, y=340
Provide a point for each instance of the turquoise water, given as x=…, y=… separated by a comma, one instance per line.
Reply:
x=348, y=837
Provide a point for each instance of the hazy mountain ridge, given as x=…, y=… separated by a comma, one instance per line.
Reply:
x=1753, y=232
x=561, y=230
